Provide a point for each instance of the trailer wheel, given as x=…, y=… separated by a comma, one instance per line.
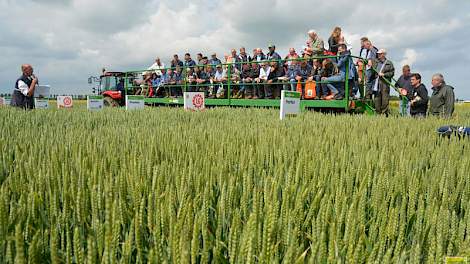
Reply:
x=110, y=102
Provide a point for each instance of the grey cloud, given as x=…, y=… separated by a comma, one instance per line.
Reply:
x=70, y=40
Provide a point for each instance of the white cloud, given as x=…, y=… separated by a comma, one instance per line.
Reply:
x=409, y=58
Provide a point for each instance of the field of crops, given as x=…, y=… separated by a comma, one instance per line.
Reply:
x=230, y=186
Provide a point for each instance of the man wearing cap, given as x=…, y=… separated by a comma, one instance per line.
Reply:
x=272, y=54
x=315, y=43
x=24, y=88
x=214, y=61
x=383, y=72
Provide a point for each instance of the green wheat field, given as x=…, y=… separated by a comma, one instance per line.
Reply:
x=225, y=185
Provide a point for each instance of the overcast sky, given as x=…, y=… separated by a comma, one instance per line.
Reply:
x=69, y=40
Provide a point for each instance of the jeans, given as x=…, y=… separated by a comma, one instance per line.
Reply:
x=407, y=108
x=293, y=85
x=335, y=82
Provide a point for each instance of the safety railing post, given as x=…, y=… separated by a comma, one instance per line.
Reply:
x=125, y=86
x=229, y=81
x=346, y=83
x=185, y=79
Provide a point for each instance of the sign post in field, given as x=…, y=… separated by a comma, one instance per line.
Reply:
x=41, y=103
x=64, y=102
x=4, y=102
x=290, y=104
x=134, y=102
x=95, y=102
x=194, y=101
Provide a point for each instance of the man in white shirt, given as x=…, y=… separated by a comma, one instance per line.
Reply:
x=157, y=67
x=262, y=78
x=24, y=88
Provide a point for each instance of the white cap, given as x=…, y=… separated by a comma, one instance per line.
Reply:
x=384, y=51
x=312, y=31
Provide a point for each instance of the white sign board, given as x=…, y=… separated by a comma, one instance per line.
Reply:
x=41, y=103
x=290, y=104
x=194, y=101
x=64, y=102
x=42, y=91
x=95, y=102
x=134, y=102
x=4, y=101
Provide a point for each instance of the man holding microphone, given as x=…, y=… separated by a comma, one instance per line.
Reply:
x=23, y=95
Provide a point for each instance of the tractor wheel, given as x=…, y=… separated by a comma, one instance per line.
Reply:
x=110, y=102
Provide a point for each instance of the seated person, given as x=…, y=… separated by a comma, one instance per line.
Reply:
x=220, y=78
x=245, y=81
x=210, y=74
x=272, y=88
x=191, y=80
x=317, y=72
x=201, y=85
x=290, y=75
x=303, y=73
x=177, y=89
x=337, y=80
x=329, y=70
x=252, y=91
x=235, y=82
x=262, y=79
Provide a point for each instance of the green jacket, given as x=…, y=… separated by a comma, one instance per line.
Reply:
x=442, y=101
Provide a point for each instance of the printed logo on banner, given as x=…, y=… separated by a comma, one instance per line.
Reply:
x=95, y=102
x=134, y=102
x=194, y=101
x=290, y=104
x=64, y=102
x=41, y=103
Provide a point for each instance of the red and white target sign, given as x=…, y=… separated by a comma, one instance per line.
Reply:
x=64, y=102
x=194, y=101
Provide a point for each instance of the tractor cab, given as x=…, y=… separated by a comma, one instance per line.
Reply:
x=114, y=89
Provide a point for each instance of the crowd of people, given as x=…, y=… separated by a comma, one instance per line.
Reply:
x=261, y=75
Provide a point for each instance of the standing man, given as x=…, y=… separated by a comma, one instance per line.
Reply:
x=371, y=55
x=24, y=88
x=419, y=98
x=188, y=62
x=443, y=97
x=157, y=67
x=214, y=61
x=272, y=54
x=383, y=72
x=176, y=61
x=406, y=89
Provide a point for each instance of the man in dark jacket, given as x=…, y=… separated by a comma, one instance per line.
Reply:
x=24, y=88
x=419, y=97
x=383, y=72
x=273, y=55
x=443, y=97
x=272, y=89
